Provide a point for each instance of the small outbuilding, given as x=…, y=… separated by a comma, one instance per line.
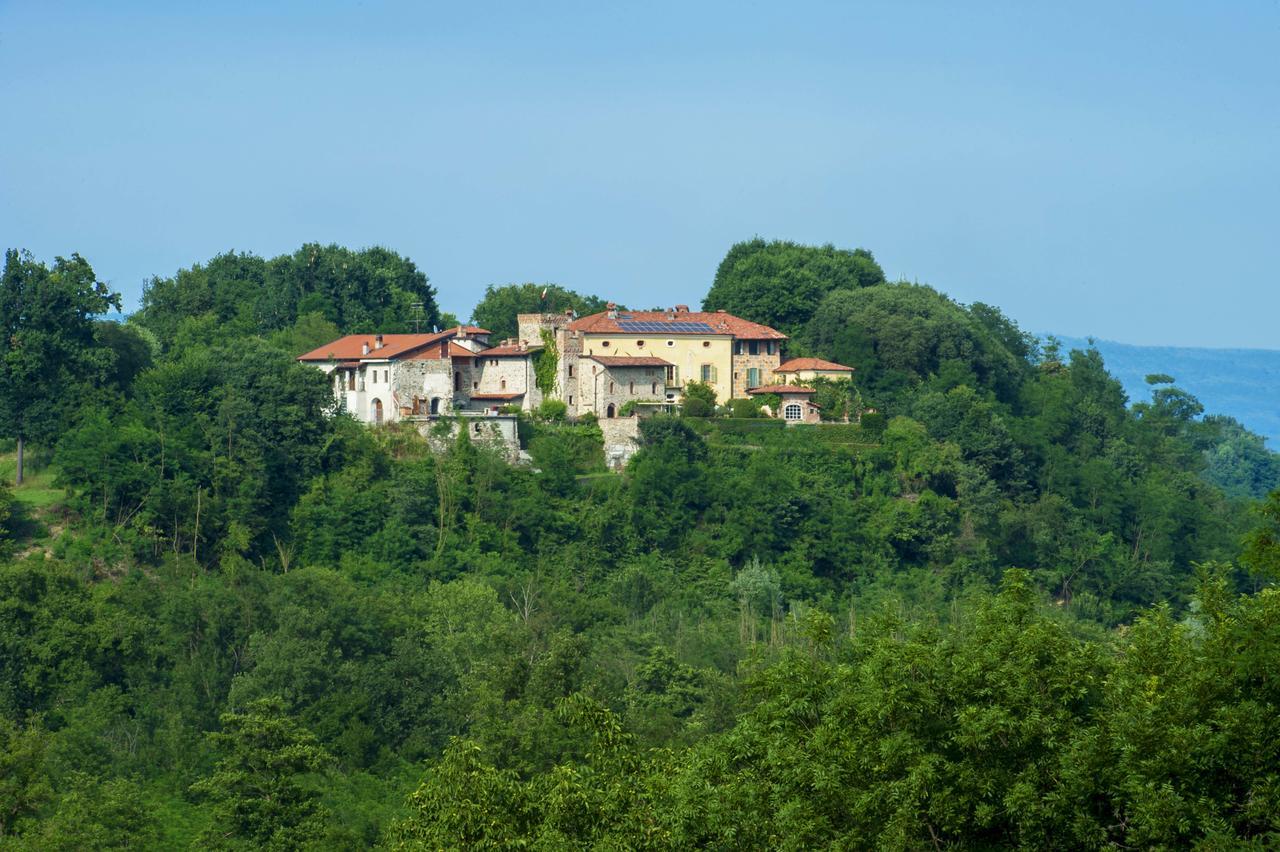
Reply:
x=808, y=369
x=796, y=403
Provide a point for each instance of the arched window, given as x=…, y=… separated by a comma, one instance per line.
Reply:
x=457, y=381
x=792, y=411
x=503, y=384
x=375, y=411
x=435, y=405
x=610, y=412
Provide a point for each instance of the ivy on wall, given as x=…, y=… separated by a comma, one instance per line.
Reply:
x=545, y=364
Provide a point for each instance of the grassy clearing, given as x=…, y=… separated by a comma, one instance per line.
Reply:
x=38, y=491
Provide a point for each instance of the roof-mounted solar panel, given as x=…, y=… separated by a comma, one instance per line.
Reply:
x=668, y=327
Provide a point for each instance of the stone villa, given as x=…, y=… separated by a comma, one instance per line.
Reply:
x=595, y=364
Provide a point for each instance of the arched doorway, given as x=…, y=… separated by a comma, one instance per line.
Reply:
x=376, y=411
x=435, y=405
x=610, y=412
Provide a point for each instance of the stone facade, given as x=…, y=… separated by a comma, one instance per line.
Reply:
x=604, y=389
x=621, y=440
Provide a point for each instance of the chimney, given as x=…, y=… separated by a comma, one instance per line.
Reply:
x=613, y=311
x=682, y=309
x=377, y=341
x=364, y=348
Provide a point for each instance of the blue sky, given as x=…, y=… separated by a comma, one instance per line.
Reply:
x=1094, y=169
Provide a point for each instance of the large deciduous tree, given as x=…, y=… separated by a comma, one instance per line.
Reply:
x=781, y=283
x=49, y=346
x=498, y=309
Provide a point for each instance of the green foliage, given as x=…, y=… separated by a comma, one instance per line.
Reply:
x=235, y=295
x=50, y=350
x=745, y=408
x=260, y=798
x=546, y=363
x=755, y=636
x=780, y=284
x=901, y=335
x=498, y=308
x=699, y=400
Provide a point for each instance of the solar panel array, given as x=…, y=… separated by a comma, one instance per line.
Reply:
x=670, y=327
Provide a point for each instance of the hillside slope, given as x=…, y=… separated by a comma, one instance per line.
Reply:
x=1242, y=383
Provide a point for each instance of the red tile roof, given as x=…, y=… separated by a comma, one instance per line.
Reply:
x=624, y=361
x=393, y=345
x=433, y=353
x=514, y=350
x=797, y=364
x=782, y=389
x=720, y=322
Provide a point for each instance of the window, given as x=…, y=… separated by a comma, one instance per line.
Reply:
x=639, y=344
x=671, y=374
x=571, y=371
x=493, y=362
x=457, y=381
x=605, y=344
x=671, y=343
x=351, y=380
x=737, y=347
x=706, y=343
x=708, y=373
x=792, y=411
x=632, y=388
x=570, y=399
x=610, y=387
x=502, y=385
x=753, y=377
x=477, y=362
x=753, y=348
x=771, y=347
x=475, y=385
x=653, y=388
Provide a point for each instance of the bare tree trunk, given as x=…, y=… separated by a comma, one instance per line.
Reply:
x=17, y=477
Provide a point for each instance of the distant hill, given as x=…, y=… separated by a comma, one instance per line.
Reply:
x=1243, y=383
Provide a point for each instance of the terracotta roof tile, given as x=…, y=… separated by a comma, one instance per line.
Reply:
x=624, y=361
x=393, y=345
x=782, y=389
x=720, y=322
x=514, y=350
x=796, y=364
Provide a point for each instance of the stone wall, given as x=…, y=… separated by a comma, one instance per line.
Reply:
x=424, y=381
x=621, y=440
x=602, y=386
x=766, y=364
x=497, y=431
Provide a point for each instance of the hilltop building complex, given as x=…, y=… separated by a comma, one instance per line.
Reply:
x=594, y=364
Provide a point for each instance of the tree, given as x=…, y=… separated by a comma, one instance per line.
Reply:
x=258, y=790
x=780, y=284
x=46, y=323
x=900, y=335
x=699, y=400
x=497, y=310
x=236, y=295
x=24, y=783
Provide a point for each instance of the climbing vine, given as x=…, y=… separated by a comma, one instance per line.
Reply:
x=544, y=366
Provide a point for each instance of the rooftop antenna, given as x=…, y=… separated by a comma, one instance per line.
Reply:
x=416, y=307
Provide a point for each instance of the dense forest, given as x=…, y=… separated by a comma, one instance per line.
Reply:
x=1008, y=607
